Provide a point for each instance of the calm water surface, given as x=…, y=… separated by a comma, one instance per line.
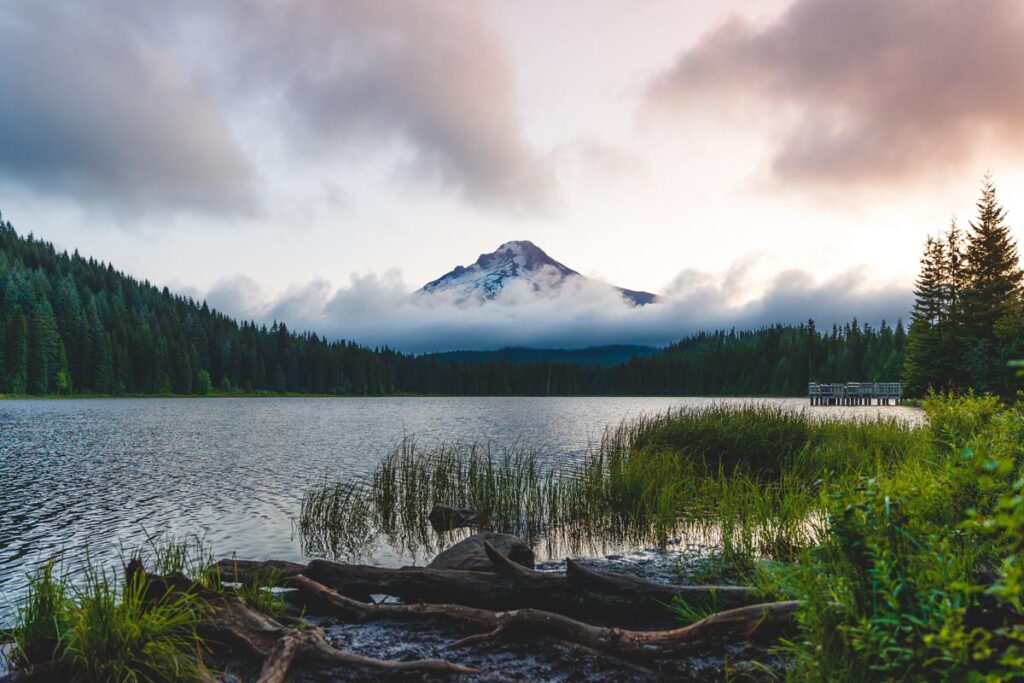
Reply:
x=104, y=473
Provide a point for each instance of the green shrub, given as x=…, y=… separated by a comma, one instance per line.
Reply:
x=953, y=421
x=898, y=588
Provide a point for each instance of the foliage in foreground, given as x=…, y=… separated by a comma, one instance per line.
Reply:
x=104, y=629
x=919, y=575
x=98, y=626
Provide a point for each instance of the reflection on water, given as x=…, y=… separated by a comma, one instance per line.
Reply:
x=103, y=473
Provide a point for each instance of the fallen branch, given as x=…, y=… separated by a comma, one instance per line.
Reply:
x=230, y=622
x=754, y=622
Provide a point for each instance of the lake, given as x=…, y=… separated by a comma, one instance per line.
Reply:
x=104, y=473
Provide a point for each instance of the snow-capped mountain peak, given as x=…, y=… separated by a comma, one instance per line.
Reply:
x=519, y=260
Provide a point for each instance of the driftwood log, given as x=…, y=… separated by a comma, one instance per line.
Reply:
x=229, y=622
x=753, y=622
x=581, y=592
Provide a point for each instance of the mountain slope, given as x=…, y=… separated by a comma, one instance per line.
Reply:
x=517, y=261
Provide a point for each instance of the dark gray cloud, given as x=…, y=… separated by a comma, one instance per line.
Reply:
x=870, y=89
x=379, y=310
x=92, y=110
x=430, y=75
x=132, y=105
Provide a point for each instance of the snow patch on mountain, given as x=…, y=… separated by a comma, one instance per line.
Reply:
x=518, y=268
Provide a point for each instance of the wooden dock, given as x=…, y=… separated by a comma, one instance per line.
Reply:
x=855, y=393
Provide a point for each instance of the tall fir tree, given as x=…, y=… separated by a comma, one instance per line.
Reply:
x=923, y=368
x=991, y=265
x=17, y=353
x=991, y=296
x=953, y=333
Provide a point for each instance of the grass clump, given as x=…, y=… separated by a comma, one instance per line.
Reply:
x=508, y=490
x=188, y=554
x=117, y=633
x=260, y=594
x=105, y=628
x=43, y=619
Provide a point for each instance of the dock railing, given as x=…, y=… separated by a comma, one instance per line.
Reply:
x=855, y=393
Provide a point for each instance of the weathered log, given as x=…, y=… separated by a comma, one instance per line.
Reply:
x=230, y=622
x=579, y=592
x=754, y=622
x=244, y=571
x=632, y=588
x=276, y=665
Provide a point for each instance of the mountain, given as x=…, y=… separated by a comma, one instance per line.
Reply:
x=520, y=260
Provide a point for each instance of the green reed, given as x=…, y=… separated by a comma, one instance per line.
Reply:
x=106, y=626
x=743, y=481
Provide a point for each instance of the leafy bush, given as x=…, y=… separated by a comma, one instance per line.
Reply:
x=898, y=587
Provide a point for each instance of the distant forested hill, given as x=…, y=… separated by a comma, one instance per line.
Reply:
x=600, y=356
x=71, y=325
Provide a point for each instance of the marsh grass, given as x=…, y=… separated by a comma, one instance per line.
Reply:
x=107, y=626
x=188, y=554
x=116, y=633
x=261, y=593
x=745, y=482
x=42, y=620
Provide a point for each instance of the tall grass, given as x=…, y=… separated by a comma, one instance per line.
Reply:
x=108, y=627
x=744, y=482
x=118, y=633
x=42, y=620
x=508, y=490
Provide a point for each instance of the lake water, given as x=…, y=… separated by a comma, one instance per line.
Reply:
x=104, y=473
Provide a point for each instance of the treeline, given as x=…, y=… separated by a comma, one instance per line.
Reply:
x=778, y=360
x=71, y=325
x=968, y=318
x=74, y=325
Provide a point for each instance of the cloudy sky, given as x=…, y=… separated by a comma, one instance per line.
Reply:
x=316, y=160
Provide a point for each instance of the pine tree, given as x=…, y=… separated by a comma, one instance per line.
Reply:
x=62, y=380
x=923, y=368
x=991, y=299
x=954, y=338
x=43, y=350
x=17, y=353
x=991, y=267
